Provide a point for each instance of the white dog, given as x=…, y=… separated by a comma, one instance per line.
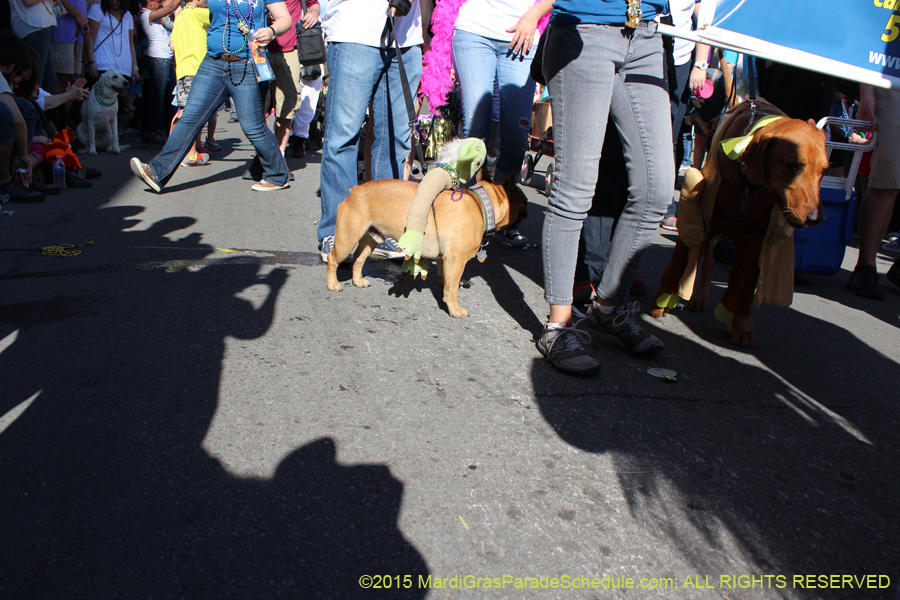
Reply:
x=99, y=128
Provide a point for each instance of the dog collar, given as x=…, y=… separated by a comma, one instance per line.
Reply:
x=734, y=147
x=487, y=208
x=100, y=100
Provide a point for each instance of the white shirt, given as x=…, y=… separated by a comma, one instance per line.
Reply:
x=157, y=37
x=115, y=52
x=682, y=11
x=362, y=22
x=28, y=19
x=491, y=18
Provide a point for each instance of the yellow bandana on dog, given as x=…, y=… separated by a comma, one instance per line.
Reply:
x=734, y=147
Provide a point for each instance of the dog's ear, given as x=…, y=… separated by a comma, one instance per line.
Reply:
x=510, y=184
x=483, y=174
x=754, y=158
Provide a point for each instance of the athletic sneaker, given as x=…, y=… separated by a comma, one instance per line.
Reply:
x=389, y=249
x=567, y=349
x=864, y=282
x=265, y=186
x=669, y=223
x=892, y=247
x=325, y=247
x=198, y=160
x=212, y=144
x=146, y=173
x=623, y=324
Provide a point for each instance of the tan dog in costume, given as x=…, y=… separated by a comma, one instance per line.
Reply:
x=759, y=183
x=453, y=234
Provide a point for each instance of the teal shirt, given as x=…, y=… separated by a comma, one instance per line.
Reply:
x=602, y=12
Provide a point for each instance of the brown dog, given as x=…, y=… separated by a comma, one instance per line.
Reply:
x=378, y=209
x=756, y=200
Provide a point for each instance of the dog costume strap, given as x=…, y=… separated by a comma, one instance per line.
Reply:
x=734, y=147
x=487, y=208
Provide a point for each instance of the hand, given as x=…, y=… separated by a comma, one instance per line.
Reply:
x=524, y=32
x=75, y=90
x=698, y=78
x=312, y=16
x=264, y=35
x=92, y=71
x=82, y=23
x=23, y=162
x=411, y=243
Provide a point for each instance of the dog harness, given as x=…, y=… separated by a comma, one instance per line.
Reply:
x=487, y=213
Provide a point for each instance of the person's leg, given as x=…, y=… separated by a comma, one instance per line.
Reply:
x=158, y=69
x=640, y=110
x=516, y=98
x=207, y=93
x=392, y=143
x=41, y=41
x=248, y=103
x=7, y=135
x=475, y=60
x=579, y=64
x=33, y=119
x=286, y=67
x=353, y=70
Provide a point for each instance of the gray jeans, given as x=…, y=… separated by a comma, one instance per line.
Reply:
x=595, y=72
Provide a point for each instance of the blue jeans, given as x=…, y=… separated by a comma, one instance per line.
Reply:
x=359, y=74
x=479, y=63
x=41, y=40
x=596, y=73
x=216, y=79
x=161, y=70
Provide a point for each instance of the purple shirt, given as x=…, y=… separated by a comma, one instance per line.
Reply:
x=66, y=30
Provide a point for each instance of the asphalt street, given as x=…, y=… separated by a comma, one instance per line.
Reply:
x=187, y=412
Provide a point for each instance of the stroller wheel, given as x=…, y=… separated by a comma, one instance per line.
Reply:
x=549, y=178
x=527, y=169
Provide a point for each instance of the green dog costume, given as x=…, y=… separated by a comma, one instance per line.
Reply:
x=457, y=164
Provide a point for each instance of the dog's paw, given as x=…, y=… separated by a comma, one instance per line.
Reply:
x=658, y=312
x=459, y=312
x=334, y=287
x=92, y=152
x=114, y=151
x=742, y=332
x=361, y=282
x=697, y=304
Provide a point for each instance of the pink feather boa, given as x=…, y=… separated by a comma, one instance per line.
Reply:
x=436, y=82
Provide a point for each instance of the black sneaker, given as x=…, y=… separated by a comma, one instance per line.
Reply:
x=623, y=324
x=566, y=349
x=18, y=193
x=513, y=238
x=893, y=273
x=864, y=282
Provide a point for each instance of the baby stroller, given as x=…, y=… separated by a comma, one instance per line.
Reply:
x=541, y=146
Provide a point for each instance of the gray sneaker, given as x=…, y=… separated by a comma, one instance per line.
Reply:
x=566, y=349
x=623, y=324
x=325, y=247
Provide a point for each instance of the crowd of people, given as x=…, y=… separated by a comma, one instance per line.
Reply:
x=623, y=97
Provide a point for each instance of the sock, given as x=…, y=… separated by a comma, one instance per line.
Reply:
x=604, y=309
x=552, y=326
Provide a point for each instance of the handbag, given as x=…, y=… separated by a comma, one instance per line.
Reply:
x=310, y=43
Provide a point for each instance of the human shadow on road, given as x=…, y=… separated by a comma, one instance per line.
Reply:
x=788, y=465
x=110, y=382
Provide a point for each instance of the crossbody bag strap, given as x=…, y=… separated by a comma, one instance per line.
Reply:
x=407, y=95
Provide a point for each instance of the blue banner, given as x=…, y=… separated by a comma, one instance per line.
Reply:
x=852, y=39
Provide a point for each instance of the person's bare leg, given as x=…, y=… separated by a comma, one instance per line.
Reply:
x=874, y=219
x=560, y=313
x=282, y=132
x=211, y=127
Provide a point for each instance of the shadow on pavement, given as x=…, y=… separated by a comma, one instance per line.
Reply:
x=110, y=380
x=786, y=463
